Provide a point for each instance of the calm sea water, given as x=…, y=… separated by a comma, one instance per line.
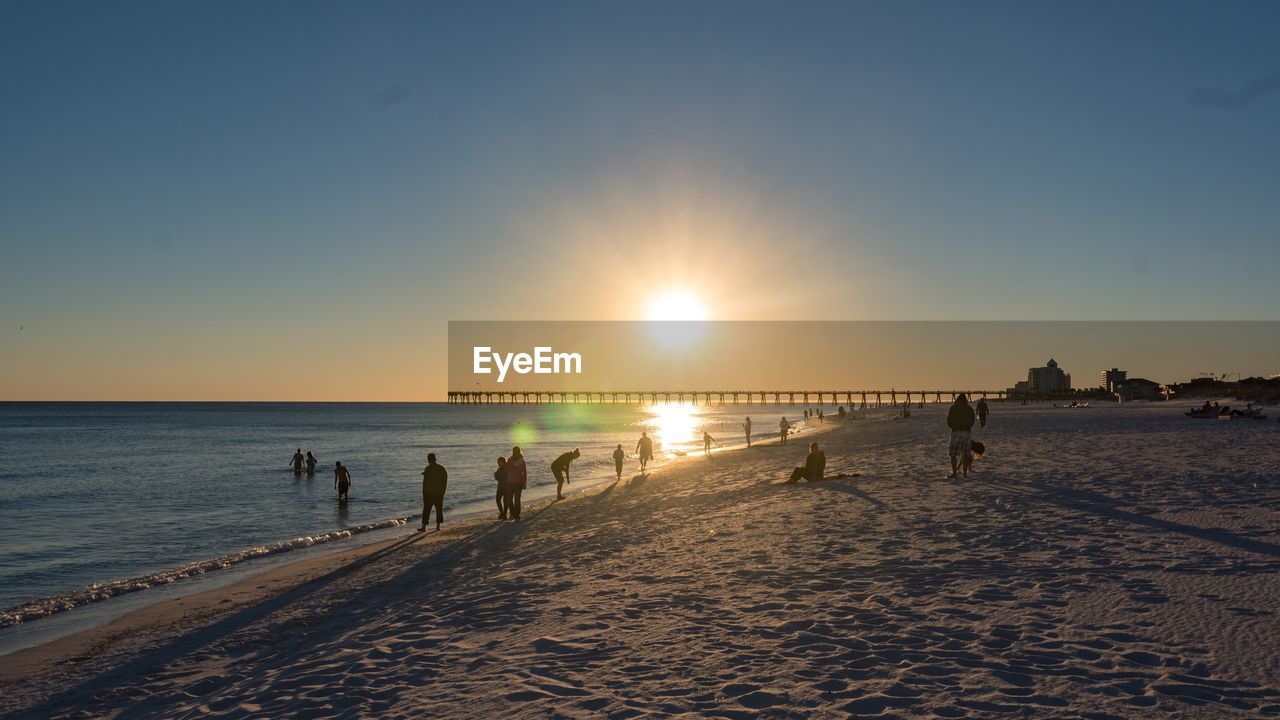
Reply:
x=99, y=492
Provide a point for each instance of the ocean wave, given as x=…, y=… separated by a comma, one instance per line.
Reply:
x=44, y=607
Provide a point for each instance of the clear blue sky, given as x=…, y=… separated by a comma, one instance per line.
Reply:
x=187, y=187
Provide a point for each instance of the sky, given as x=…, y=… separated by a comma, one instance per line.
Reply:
x=289, y=201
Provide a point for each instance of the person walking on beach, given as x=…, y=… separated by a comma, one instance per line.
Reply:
x=341, y=480
x=435, y=479
x=560, y=468
x=503, y=491
x=784, y=427
x=618, y=457
x=960, y=419
x=517, y=479
x=311, y=463
x=706, y=443
x=297, y=461
x=982, y=412
x=814, y=468
x=645, y=449
x=746, y=427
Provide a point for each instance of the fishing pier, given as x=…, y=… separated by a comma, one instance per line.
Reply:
x=851, y=398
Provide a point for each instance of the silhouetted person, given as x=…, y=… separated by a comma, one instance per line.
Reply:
x=502, y=492
x=960, y=419
x=311, y=463
x=517, y=479
x=784, y=428
x=821, y=418
x=560, y=468
x=706, y=443
x=981, y=407
x=435, y=479
x=341, y=480
x=814, y=468
x=618, y=457
x=746, y=427
x=645, y=449
x=297, y=461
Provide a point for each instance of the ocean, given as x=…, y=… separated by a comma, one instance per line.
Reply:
x=102, y=499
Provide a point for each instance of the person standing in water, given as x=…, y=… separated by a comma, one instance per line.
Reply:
x=341, y=480
x=784, y=427
x=503, y=491
x=560, y=468
x=517, y=479
x=706, y=443
x=618, y=457
x=982, y=412
x=311, y=463
x=645, y=449
x=746, y=427
x=435, y=479
x=960, y=419
x=297, y=461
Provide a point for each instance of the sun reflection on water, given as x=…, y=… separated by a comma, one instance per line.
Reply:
x=676, y=429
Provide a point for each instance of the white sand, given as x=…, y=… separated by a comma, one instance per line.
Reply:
x=1109, y=562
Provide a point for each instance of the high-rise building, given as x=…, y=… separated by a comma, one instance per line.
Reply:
x=1048, y=379
x=1111, y=379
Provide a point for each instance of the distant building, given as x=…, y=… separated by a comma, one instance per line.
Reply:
x=1048, y=379
x=1019, y=388
x=1112, y=378
x=1139, y=389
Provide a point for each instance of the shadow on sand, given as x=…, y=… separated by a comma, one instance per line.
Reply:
x=1104, y=506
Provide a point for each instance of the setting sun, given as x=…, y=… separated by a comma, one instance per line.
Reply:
x=677, y=305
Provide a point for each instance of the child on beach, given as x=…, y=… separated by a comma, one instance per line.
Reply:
x=618, y=457
x=503, y=492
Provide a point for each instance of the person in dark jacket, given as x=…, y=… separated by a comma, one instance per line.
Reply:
x=560, y=468
x=435, y=479
x=517, y=479
x=815, y=466
x=960, y=419
x=982, y=412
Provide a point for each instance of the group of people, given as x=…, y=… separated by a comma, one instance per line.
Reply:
x=341, y=475
x=960, y=419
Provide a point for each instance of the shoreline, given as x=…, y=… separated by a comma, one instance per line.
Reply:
x=1081, y=567
x=207, y=605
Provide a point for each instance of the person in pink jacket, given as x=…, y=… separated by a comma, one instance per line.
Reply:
x=517, y=479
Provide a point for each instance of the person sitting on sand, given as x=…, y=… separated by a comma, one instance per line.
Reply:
x=503, y=492
x=435, y=479
x=517, y=479
x=618, y=457
x=560, y=468
x=341, y=480
x=746, y=427
x=814, y=468
x=784, y=427
x=311, y=463
x=960, y=419
x=297, y=461
x=645, y=449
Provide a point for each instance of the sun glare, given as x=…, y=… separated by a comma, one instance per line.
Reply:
x=677, y=305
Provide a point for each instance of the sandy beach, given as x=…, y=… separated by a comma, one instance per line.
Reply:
x=1110, y=562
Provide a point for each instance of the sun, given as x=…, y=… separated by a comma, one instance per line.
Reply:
x=677, y=305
